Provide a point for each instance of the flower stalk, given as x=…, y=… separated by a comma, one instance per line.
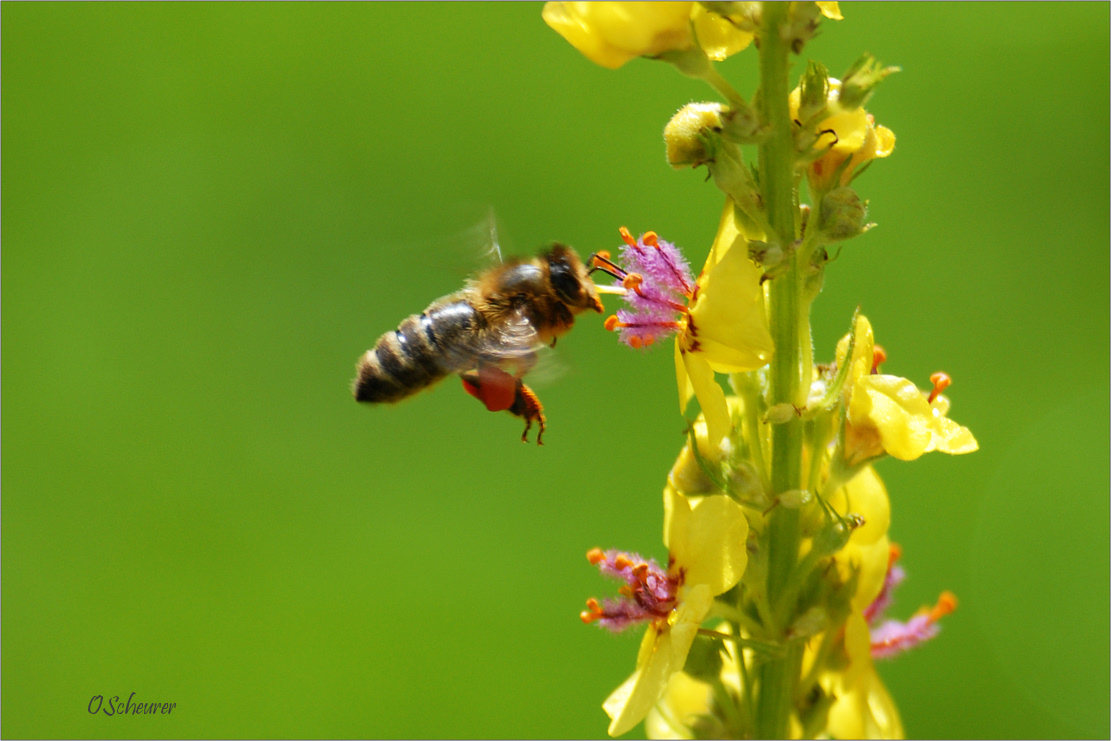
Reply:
x=789, y=322
x=770, y=612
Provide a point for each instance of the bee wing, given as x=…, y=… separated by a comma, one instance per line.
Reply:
x=515, y=338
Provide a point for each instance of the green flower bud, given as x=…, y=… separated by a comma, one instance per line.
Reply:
x=795, y=498
x=860, y=81
x=743, y=125
x=688, y=133
x=814, y=87
x=842, y=215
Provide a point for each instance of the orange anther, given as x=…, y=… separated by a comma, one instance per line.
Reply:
x=894, y=553
x=635, y=342
x=622, y=562
x=593, y=606
x=595, y=556
x=640, y=571
x=625, y=591
x=604, y=254
x=632, y=281
x=946, y=603
x=612, y=323
x=879, y=355
x=651, y=239
x=940, y=382
x=648, y=341
x=627, y=238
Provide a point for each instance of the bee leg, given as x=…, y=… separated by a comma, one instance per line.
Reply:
x=527, y=404
x=499, y=391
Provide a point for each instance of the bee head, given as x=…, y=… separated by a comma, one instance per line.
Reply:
x=570, y=280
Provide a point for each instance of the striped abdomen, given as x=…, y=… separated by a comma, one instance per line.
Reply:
x=421, y=351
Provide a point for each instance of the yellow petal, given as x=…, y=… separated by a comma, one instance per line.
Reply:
x=866, y=496
x=862, y=707
x=896, y=409
x=950, y=437
x=707, y=542
x=885, y=141
x=683, y=701
x=858, y=645
x=662, y=653
x=870, y=562
x=612, y=33
x=686, y=391
x=711, y=397
x=630, y=702
x=727, y=318
x=830, y=10
x=718, y=37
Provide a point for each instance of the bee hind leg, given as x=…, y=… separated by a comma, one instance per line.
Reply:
x=499, y=391
x=527, y=404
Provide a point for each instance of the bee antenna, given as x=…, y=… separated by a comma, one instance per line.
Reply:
x=601, y=261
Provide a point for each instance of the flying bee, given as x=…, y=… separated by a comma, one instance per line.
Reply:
x=497, y=322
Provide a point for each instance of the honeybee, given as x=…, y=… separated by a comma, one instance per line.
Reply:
x=497, y=322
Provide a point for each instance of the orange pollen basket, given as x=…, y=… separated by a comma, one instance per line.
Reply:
x=940, y=382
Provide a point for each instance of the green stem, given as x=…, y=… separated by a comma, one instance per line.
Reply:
x=789, y=323
x=720, y=84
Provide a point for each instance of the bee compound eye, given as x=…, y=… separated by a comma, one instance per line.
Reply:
x=564, y=281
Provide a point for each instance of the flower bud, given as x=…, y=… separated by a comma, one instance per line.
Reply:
x=686, y=134
x=743, y=125
x=842, y=215
x=795, y=498
x=814, y=91
x=861, y=80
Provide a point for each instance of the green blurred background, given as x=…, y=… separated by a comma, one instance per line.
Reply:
x=210, y=210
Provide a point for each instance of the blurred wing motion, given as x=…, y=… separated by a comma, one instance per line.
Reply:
x=489, y=333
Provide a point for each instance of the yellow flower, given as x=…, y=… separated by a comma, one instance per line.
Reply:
x=889, y=414
x=726, y=329
x=685, y=709
x=862, y=707
x=722, y=328
x=707, y=556
x=849, y=138
x=612, y=33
